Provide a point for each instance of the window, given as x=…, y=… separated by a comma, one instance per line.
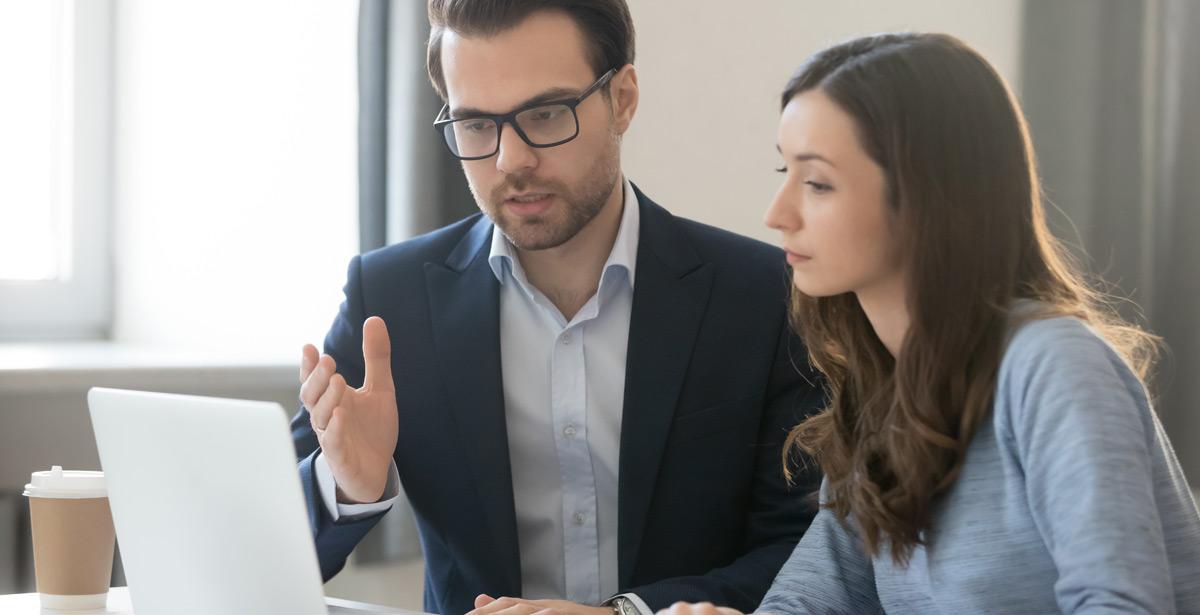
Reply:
x=187, y=171
x=55, y=60
x=235, y=202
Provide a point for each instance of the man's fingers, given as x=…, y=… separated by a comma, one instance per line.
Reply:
x=322, y=411
x=333, y=438
x=493, y=605
x=314, y=386
x=377, y=355
x=507, y=606
x=308, y=361
x=519, y=609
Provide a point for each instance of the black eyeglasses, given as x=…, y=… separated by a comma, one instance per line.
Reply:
x=543, y=124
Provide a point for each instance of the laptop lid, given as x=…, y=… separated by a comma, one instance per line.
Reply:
x=207, y=504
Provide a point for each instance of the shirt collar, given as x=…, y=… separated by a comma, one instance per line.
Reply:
x=623, y=255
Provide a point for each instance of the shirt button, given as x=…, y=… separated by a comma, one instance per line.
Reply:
x=566, y=339
x=580, y=518
x=569, y=431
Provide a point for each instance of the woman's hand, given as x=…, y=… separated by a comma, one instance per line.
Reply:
x=702, y=608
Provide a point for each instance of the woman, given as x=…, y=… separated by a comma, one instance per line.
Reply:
x=989, y=445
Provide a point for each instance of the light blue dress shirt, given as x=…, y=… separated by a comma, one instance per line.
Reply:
x=564, y=386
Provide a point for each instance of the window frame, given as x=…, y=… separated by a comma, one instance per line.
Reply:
x=80, y=306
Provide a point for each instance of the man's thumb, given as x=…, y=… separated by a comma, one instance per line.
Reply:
x=377, y=354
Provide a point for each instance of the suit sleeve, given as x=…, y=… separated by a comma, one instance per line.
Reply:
x=334, y=539
x=779, y=513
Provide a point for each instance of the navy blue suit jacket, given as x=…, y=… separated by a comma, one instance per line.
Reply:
x=714, y=380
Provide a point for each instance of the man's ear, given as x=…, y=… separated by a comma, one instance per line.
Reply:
x=624, y=97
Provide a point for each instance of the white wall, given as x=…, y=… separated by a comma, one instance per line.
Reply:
x=711, y=72
x=235, y=193
x=236, y=171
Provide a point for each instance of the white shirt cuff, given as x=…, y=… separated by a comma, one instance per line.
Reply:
x=327, y=485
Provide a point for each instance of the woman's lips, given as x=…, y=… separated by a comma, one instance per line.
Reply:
x=797, y=259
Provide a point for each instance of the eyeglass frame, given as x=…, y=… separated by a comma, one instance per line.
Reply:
x=510, y=118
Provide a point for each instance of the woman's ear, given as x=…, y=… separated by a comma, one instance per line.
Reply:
x=624, y=97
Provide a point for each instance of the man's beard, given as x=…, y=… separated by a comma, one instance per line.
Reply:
x=558, y=225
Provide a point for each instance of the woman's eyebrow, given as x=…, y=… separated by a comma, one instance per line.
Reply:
x=808, y=157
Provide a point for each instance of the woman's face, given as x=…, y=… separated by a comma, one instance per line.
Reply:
x=838, y=229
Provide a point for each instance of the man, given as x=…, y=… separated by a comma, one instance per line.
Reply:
x=584, y=397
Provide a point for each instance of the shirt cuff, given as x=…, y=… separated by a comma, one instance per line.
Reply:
x=327, y=485
x=637, y=602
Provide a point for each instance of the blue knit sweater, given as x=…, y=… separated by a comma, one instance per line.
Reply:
x=1071, y=500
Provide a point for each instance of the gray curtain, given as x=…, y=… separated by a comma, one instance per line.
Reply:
x=1112, y=94
x=408, y=183
x=1177, y=224
x=373, y=64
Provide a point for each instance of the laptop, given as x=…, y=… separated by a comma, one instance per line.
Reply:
x=207, y=505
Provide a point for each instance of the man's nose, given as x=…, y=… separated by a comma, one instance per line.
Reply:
x=515, y=154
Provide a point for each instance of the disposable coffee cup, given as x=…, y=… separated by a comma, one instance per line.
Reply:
x=73, y=538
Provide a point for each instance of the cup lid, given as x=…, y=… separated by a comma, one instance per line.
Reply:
x=59, y=483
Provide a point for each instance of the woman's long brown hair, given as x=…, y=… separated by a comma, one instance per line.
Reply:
x=967, y=208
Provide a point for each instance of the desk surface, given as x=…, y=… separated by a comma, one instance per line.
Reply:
x=118, y=604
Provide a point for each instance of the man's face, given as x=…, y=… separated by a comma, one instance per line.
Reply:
x=540, y=198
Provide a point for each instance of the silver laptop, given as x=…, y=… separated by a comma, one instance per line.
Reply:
x=207, y=504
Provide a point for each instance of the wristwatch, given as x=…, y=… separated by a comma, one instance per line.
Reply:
x=624, y=606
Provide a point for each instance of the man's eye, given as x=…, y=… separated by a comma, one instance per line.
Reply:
x=544, y=115
x=476, y=126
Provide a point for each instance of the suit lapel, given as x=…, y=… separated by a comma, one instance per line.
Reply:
x=670, y=296
x=464, y=301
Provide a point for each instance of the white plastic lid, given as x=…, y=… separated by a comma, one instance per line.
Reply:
x=71, y=484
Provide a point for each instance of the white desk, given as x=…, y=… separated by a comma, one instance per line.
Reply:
x=118, y=604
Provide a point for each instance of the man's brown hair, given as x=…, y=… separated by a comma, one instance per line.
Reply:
x=605, y=23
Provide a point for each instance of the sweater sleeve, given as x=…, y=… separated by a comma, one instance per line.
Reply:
x=1084, y=431
x=828, y=572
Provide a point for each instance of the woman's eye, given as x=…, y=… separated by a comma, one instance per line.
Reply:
x=818, y=187
x=781, y=170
